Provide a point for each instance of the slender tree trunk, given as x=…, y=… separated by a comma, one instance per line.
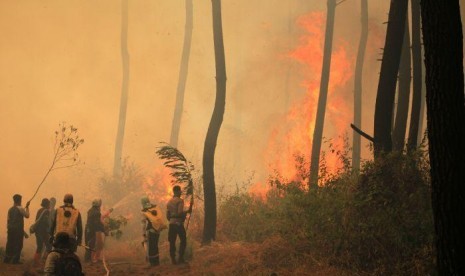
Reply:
x=417, y=77
x=321, y=109
x=183, y=71
x=388, y=76
x=124, y=90
x=442, y=36
x=421, y=123
x=356, y=146
x=403, y=99
x=209, y=230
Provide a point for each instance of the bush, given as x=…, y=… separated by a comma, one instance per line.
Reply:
x=379, y=222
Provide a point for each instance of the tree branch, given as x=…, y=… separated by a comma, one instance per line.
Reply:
x=340, y=2
x=362, y=133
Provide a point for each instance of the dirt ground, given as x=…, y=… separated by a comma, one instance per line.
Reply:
x=226, y=258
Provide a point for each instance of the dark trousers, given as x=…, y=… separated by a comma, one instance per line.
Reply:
x=90, y=242
x=14, y=246
x=42, y=241
x=174, y=231
x=152, y=248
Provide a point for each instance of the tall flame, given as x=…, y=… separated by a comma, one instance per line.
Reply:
x=293, y=134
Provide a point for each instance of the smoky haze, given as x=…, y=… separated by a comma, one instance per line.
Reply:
x=61, y=61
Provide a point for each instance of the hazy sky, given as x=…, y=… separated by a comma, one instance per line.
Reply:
x=60, y=61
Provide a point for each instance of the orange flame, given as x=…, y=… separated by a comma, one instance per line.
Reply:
x=158, y=186
x=294, y=133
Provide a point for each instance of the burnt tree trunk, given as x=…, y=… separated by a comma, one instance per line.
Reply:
x=415, y=127
x=421, y=123
x=403, y=99
x=388, y=76
x=356, y=146
x=443, y=44
x=321, y=109
x=209, y=230
x=124, y=90
x=183, y=71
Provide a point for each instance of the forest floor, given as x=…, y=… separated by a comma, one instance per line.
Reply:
x=225, y=258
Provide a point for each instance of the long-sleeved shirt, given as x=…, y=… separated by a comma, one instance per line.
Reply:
x=146, y=224
x=94, y=220
x=175, y=210
x=50, y=263
x=16, y=215
x=42, y=220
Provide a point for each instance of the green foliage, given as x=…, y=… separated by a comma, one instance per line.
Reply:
x=114, y=226
x=122, y=193
x=378, y=223
x=180, y=166
x=2, y=253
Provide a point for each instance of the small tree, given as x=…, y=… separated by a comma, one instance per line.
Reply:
x=65, y=155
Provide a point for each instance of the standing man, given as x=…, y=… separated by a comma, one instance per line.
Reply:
x=95, y=231
x=42, y=226
x=176, y=216
x=15, y=230
x=68, y=219
x=153, y=223
x=52, y=213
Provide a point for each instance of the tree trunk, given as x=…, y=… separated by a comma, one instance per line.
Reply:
x=356, y=146
x=183, y=71
x=209, y=230
x=124, y=90
x=442, y=36
x=414, y=128
x=321, y=109
x=388, y=76
x=403, y=99
x=421, y=123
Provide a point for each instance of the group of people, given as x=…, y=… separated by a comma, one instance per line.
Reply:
x=153, y=224
x=59, y=230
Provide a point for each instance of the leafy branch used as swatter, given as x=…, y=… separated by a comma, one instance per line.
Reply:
x=181, y=170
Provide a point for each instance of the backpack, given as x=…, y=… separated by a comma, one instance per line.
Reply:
x=156, y=218
x=68, y=264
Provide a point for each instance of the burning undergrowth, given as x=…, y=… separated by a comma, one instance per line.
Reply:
x=351, y=222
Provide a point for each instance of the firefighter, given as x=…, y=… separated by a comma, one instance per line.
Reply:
x=15, y=230
x=153, y=222
x=68, y=219
x=41, y=230
x=176, y=216
x=95, y=231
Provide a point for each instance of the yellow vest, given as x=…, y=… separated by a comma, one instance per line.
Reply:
x=158, y=221
x=67, y=223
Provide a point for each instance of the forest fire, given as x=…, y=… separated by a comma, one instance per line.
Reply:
x=158, y=186
x=295, y=139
